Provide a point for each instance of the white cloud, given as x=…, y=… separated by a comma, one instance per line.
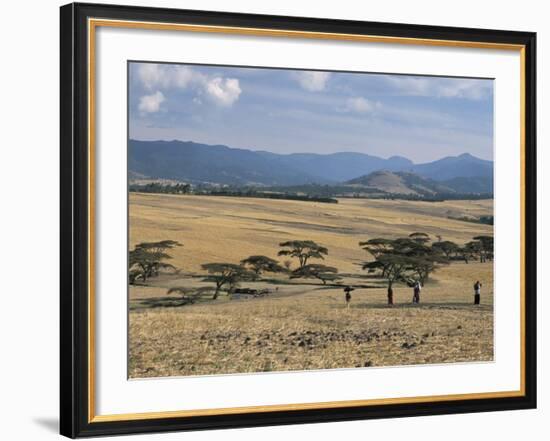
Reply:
x=151, y=103
x=151, y=76
x=469, y=89
x=361, y=105
x=442, y=87
x=312, y=81
x=154, y=76
x=223, y=91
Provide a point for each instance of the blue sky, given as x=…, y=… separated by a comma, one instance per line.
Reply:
x=288, y=111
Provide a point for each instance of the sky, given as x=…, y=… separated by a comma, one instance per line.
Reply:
x=297, y=111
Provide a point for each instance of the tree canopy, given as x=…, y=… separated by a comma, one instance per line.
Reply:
x=421, y=238
x=406, y=260
x=263, y=264
x=226, y=274
x=485, y=248
x=148, y=258
x=446, y=247
x=317, y=271
x=303, y=250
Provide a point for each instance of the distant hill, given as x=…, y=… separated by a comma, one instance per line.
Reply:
x=463, y=166
x=215, y=164
x=221, y=165
x=404, y=183
x=339, y=167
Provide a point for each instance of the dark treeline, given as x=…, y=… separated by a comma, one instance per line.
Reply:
x=486, y=220
x=439, y=197
x=157, y=187
x=269, y=195
x=306, y=192
x=245, y=192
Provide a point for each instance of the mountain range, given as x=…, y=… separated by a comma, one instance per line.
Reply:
x=218, y=164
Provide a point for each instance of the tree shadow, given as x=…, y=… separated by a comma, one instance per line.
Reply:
x=159, y=302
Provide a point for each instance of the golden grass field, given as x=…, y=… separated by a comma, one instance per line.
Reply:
x=303, y=325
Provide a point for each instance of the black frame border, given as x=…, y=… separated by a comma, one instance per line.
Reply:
x=74, y=220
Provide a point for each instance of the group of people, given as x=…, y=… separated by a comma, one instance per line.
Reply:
x=417, y=287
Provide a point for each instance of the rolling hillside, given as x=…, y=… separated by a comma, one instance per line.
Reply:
x=399, y=183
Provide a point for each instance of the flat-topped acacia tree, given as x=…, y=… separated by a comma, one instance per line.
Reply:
x=408, y=259
x=446, y=247
x=486, y=247
x=317, y=271
x=226, y=274
x=393, y=267
x=148, y=258
x=377, y=247
x=263, y=264
x=303, y=250
x=420, y=238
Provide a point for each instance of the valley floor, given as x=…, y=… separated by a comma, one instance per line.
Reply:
x=302, y=324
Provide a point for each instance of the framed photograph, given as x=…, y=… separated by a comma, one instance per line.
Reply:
x=275, y=220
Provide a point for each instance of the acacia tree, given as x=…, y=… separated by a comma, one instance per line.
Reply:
x=262, y=264
x=404, y=260
x=317, y=271
x=148, y=258
x=226, y=274
x=420, y=238
x=485, y=247
x=377, y=247
x=424, y=265
x=470, y=250
x=303, y=250
x=396, y=268
x=425, y=259
x=446, y=247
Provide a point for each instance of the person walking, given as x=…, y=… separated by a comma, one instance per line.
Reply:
x=477, y=292
x=416, y=292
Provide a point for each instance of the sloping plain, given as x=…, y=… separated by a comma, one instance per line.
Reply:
x=301, y=324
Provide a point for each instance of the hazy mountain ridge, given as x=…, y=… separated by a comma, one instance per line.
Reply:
x=450, y=167
x=219, y=164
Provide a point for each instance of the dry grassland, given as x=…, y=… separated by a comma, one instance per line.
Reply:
x=303, y=325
